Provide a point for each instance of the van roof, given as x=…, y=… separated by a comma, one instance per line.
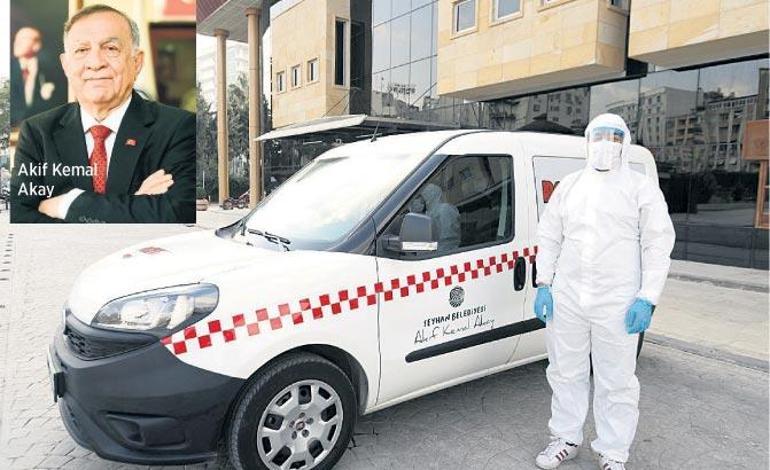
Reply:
x=415, y=143
x=420, y=144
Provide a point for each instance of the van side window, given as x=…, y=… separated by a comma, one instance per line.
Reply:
x=469, y=200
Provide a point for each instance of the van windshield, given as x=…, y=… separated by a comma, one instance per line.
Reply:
x=326, y=199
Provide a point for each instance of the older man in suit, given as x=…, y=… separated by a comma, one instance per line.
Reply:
x=112, y=156
x=36, y=76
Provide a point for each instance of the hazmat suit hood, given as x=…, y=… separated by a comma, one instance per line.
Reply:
x=602, y=156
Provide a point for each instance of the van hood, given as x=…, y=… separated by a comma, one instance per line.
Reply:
x=154, y=264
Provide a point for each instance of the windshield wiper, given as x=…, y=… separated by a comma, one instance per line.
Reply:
x=281, y=241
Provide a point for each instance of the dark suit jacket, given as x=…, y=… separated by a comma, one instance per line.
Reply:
x=152, y=136
x=48, y=70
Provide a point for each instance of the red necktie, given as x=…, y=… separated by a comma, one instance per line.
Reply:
x=98, y=160
x=24, y=74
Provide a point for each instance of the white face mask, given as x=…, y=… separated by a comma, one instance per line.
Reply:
x=604, y=155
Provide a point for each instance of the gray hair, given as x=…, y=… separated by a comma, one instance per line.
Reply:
x=100, y=8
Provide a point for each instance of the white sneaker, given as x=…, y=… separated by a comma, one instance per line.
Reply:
x=609, y=464
x=555, y=453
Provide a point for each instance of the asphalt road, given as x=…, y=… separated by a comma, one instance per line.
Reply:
x=697, y=412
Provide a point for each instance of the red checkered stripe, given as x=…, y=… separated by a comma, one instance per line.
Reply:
x=247, y=324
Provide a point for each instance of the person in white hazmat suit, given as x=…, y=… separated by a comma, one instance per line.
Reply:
x=604, y=246
x=445, y=217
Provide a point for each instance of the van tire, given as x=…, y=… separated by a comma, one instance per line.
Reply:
x=270, y=384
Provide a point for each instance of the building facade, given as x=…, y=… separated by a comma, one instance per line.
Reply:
x=688, y=77
x=237, y=64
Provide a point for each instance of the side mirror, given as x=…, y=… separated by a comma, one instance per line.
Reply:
x=416, y=234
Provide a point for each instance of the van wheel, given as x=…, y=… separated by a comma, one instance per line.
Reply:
x=298, y=413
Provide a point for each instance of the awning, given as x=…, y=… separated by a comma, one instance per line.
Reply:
x=229, y=15
x=314, y=125
x=353, y=122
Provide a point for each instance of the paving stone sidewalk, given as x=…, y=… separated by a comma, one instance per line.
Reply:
x=697, y=412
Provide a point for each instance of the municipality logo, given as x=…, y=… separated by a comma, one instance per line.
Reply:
x=456, y=296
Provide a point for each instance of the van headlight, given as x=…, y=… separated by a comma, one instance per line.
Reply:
x=161, y=310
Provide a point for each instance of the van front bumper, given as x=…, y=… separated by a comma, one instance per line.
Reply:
x=142, y=406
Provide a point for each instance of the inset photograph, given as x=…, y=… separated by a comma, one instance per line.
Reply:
x=102, y=102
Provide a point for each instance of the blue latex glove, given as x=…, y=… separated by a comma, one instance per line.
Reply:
x=544, y=304
x=638, y=316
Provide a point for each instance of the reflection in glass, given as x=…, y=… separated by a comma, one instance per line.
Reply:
x=399, y=41
x=399, y=7
x=666, y=100
x=464, y=15
x=401, y=90
x=728, y=99
x=505, y=8
x=419, y=3
x=421, y=33
x=381, y=47
x=621, y=98
x=381, y=99
x=420, y=77
x=380, y=11
x=434, y=34
x=569, y=108
x=357, y=54
x=362, y=182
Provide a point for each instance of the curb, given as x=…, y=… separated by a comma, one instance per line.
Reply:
x=720, y=282
x=708, y=352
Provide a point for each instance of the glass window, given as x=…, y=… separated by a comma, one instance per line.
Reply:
x=673, y=141
x=280, y=82
x=399, y=7
x=469, y=200
x=621, y=98
x=339, y=53
x=503, y=8
x=419, y=77
x=296, y=76
x=725, y=183
x=381, y=47
x=357, y=54
x=434, y=31
x=434, y=77
x=418, y=3
x=464, y=15
x=622, y=4
x=399, y=41
x=312, y=213
x=381, y=11
x=422, y=23
x=401, y=90
x=312, y=70
x=381, y=99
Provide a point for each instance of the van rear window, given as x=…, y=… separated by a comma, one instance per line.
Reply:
x=549, y=171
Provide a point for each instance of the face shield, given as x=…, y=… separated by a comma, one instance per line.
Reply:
x=605, y=146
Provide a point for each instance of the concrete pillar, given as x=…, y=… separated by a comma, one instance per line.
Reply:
x=255, y=107
x=222, y=137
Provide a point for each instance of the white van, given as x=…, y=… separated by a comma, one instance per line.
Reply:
x=382, y=271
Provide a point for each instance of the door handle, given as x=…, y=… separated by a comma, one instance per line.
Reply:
x=519, y=273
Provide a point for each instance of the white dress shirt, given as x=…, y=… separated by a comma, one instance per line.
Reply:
x=29, y=85
x=112, y=121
